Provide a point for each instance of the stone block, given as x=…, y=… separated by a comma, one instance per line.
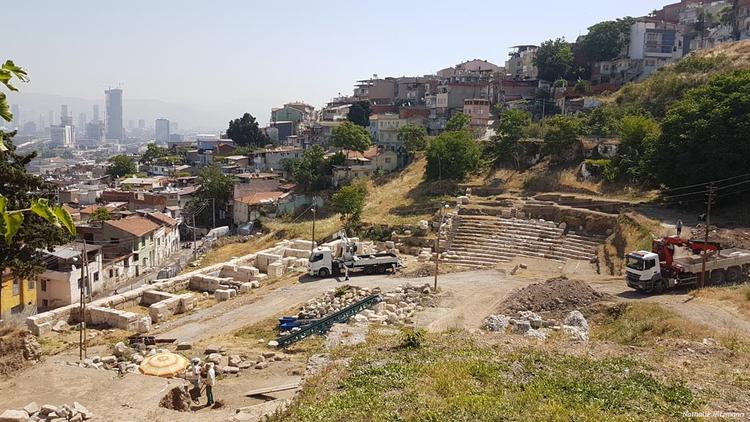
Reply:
x=114, y=318
x=153, y=296
x=303, y=244
x=275, y=270
x=14, y=416
x=223, y=294
x=32, y=408
x=245, y=287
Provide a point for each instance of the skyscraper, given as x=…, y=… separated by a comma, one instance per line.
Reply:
x=113, y=105
x=141, y=125
x=95, y=116
x=51, y=119
x=65, y=118
x=16, y=115
x=161, y=131
x=82, y=122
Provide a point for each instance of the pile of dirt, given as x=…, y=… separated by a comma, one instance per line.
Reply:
x=554, y=296
x=177, y=399
x=728, y=238
x=17, y=350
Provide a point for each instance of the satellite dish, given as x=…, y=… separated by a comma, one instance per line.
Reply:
x=254, y=215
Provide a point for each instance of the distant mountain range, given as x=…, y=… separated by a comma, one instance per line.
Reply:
x=189, y=118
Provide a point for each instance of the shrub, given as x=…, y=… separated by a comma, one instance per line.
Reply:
x=412, y=338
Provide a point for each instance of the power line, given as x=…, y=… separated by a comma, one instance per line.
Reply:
x=706, y=184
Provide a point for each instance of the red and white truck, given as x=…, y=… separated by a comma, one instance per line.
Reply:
x=660, y=269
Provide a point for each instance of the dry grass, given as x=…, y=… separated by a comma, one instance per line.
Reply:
x=402, y=190
x=303, y=228
x=633, y=232
x=541, y=178
x=736, y=296
x=232, y=250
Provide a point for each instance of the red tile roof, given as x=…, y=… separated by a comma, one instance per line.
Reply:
x=163, y=218
x=137, y=226
x=257, y=198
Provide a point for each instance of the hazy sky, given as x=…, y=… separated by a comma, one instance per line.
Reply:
x=236, y=56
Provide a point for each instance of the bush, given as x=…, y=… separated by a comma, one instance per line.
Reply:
x=452, y=156
x=542, y=183
x=412, y=338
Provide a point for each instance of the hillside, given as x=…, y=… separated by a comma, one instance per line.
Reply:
x=670, y=83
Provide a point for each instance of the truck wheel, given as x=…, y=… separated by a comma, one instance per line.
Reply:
x=323, y=272
x=658, y=287
x=734, y=274
x=381, y=269
x=718, y=277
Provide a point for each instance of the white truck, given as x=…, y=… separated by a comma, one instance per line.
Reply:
x=325, y=262
x=657, y=271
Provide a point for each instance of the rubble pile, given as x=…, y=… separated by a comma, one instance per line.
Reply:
x=48, y=413
x=555, y=296
x=17, y=350
x=397, y=307
x=123, y=359
x=235, y=363
x=530, y=324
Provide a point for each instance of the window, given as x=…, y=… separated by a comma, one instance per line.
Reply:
x=316, y=257
x=111, y=273
x=44, y=285
x=16, y=287
x=80, y=283
x=96, y=276
x=31, y=285
x=45, y=303
x=651, y=263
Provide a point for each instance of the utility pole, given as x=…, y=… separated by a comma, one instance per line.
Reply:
x=213, y=212
x=86, y=287
x=194, y=228
x=82, y=303
x=314, y=211
x=709, y=202
x=437, y=246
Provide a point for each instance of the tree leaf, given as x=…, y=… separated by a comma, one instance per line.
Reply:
x=5, y=108
x=3, y=204
x=18, y=71
x=12, y=222
x=41, y=208
x=63, y=216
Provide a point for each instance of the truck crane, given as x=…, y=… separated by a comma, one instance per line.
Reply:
x=659, y=269
x=325, y=262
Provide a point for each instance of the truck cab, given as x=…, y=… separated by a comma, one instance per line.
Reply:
x=644, y=271
x=321, y=262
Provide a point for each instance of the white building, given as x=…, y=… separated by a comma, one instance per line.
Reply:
x=62, y=136
x=655, y=44
x=161, y=131
x=61, y=283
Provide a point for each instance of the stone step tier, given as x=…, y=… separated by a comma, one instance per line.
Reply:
x=477, y=241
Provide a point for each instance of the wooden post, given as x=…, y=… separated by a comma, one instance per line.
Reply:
x=711, y=193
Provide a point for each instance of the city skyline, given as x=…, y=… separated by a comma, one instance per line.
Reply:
x=224, y=70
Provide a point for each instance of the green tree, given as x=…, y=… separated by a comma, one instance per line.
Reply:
x=351, y=137
x=120, y=166
x=705, y=134
x=28, y=223
x=458, y=121
x=311, y=170
x=452, y=155
x=605, y=40
x=413, y=137
x=638, y=136
x=561, y=134
x=216, y=190
x=100, y=214
x=9, y=71
x=554, y=59
x=153, y=153
x=510, y=130
x=245, y=131
x=349, y=201
x=359, y=113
